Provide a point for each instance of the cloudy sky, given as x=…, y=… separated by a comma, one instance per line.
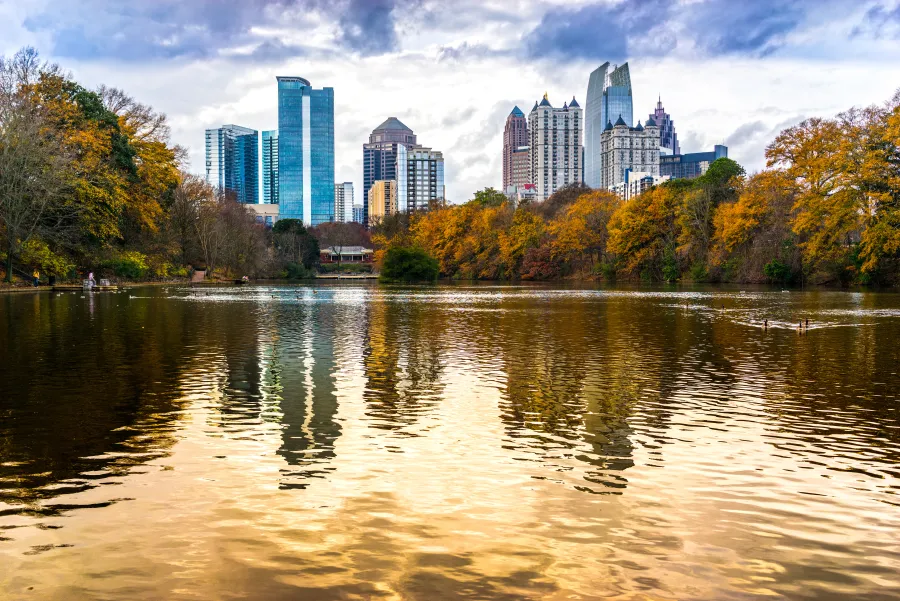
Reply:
x=736, y=71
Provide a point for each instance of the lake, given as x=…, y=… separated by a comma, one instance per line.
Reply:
x=475, y=442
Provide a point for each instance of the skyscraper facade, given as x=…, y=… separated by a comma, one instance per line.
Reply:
x=515, y=142
x=343, y=202
x=382, y=200
x=521, y=173
x=691, y=165
x=270, y=167
x=380, y=155
x=420, y=178
x=305, y=151
x=358, y=213
x=609, y=97
x=232, y=161
x=624, y=149
x=668, y=139
x=554, y=150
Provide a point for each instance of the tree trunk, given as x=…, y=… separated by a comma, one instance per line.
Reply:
x=9, y=263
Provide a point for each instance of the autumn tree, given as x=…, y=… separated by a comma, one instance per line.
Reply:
x=579, y=233
x=700, y=198
x=754, y=231
x=643, y=232
x=827, y=216
x=880, y=242
x=34, y=169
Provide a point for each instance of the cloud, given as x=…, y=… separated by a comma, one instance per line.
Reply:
x=746, y=132
x=880, y=22
x=467, y=52
x=751, y=28
x=630, y=29
x=265, y=30
x=367, y=26
x=590, y=32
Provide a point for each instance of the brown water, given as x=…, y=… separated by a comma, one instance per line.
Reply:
x=451, y=442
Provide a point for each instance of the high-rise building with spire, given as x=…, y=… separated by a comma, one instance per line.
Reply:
x=608, y=98
x=515, y=150
x=626, y=150
x=668, y=139
x=555, y=152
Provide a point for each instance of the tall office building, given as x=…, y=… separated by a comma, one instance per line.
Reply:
x=515, y=149
x=608, y=97
x=555, y=152
x=382, y=200
x=628, y=149
x=232, y=161
x=343, y=202
x=380, y=155
x=305, y=151
x=668, y=139
x=270, y=166
x=420, y=178
x=358, y=213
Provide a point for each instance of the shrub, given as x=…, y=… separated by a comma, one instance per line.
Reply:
x=298, y=271
x=36, y=252
x=160, y=268
x=129, y=264
x=345, y=267
x=777, y=271
x=406, y=264
x=699, y=272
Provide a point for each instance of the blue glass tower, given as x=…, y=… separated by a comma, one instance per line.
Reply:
x=608, y=97
x=305, y=151
x=232, y=161
x=270, y=166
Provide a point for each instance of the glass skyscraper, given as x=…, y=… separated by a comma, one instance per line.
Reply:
x=608, y=97
x=305, y=151
x=232, y=161
x=270, y=167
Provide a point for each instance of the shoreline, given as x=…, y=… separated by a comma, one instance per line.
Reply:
x=562, y=284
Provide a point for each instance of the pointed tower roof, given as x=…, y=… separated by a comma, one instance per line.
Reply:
x=620, y=121
x=639, y=127
x=608, y=126
x=546, y=102
x=535, y=106
x=651, y=122
x=517, y=112
x=393, y=123
x=574, y=103
x=565, y=106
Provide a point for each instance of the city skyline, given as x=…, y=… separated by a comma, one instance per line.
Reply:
x=732, y=74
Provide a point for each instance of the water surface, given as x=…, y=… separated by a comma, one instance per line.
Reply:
x=362, y=442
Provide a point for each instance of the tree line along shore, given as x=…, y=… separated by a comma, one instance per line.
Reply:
x=91, y=181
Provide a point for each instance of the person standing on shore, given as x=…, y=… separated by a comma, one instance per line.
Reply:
x=37, y=277
x=91, y=281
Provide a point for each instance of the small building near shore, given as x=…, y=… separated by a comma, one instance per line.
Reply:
x=346, y=254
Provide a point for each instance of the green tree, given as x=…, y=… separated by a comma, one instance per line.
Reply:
x=409, y=264
x=489, y=197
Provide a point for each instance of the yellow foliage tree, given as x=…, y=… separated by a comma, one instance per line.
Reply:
x=580, y=232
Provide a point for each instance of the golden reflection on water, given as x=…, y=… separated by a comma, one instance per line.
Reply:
x=452, y=442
